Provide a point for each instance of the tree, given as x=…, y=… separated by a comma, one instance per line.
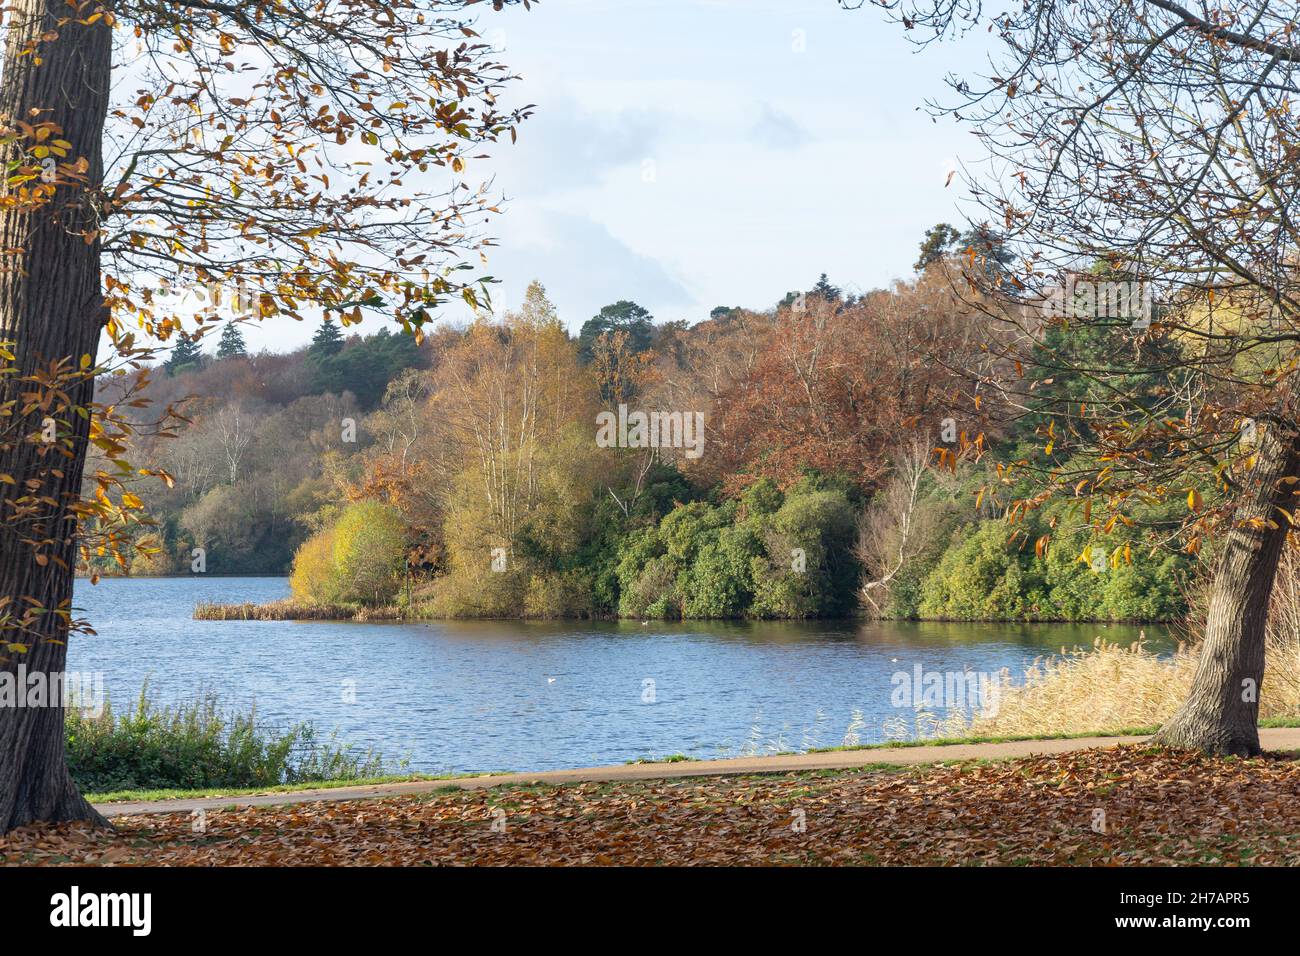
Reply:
x=365, y=367
x=828, y=386
x=274, y=142
x=186, y=356
x=369, y=552
x=896, y=525
x=938, y=242
x=621, y=316
x=328, y=340
x=825, y=290
x=231, y=344
x=1158, y=139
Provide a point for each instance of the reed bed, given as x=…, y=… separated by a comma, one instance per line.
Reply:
x=291, y=610
x=1110, y=688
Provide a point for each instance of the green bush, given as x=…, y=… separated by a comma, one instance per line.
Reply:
x=982, y=575
x=359, y=560
x=314, y=579
x=738, y=559
x=557, y=594
x=198, y=745
x=719, y=582
x=369, y=552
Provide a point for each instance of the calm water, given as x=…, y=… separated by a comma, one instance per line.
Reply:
x=533, y=696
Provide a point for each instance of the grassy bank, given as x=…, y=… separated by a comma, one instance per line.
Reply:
x=151, y=794
x=198, y=745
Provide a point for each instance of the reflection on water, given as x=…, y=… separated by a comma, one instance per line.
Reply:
x=491, y=695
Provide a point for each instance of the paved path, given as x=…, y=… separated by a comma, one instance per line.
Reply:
x=1272, y=739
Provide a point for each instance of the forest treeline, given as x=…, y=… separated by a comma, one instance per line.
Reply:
x=464, y=476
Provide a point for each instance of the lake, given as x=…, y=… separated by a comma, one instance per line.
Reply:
x=477, y=696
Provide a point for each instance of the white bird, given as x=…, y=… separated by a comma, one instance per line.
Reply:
x=550, y=680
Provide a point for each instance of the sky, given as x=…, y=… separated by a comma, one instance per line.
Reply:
x=687, y=154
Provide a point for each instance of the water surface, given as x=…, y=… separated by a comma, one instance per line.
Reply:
x=474, y=696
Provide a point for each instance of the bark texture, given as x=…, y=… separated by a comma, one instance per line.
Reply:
x=1221, y=713
x=51, y=307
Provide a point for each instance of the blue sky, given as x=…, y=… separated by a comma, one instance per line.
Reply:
x=694, y=153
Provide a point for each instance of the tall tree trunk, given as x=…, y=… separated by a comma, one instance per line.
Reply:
x=51, y=308
x=1221, y=713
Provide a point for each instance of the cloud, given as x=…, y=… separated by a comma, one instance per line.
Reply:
x=777, y=130
x=564, y=146
x=583, y=266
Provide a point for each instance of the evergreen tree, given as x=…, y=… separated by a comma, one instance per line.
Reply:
x=328, y=339
x=625, y=316
x=825, y=290
x=185, y=356
x=366, y=367
x=939, y=241
x=232, y=342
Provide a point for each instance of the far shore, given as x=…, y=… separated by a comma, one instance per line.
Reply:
x=288, y=609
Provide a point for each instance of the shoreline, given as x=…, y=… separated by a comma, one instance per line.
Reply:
x=287, y=609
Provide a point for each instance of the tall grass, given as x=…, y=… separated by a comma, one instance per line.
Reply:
x=1110, y=688
x=199, y=744
x=1103, y=688
x=288, y=609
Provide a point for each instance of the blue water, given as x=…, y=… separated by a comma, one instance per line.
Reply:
x=459, y=697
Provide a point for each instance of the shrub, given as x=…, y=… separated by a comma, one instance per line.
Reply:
x=653, y=593
x=814, y=528
x=359, y=560
x=719, y=583
x=314, y=579
x=983, y=577
x=369, y=552
x=707, y=561
x=558, y=595
x=763, y=497
x=198, y=745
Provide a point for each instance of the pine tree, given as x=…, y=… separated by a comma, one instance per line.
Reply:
x=232, y=342
x=823, y=288
x=185, y=355
x=939, y=241
x=328, y=339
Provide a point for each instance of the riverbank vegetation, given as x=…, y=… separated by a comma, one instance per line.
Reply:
x=201, y=744
x=466, y=475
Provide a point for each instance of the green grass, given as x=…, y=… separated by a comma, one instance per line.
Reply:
x=952, y=741
x=1268, y=722
x=671, y=758
x=134, y=796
